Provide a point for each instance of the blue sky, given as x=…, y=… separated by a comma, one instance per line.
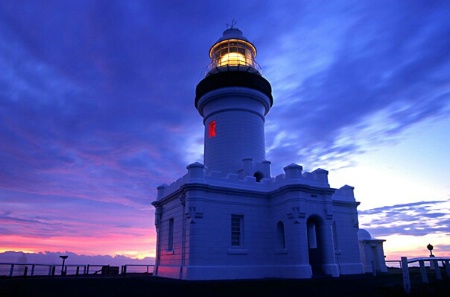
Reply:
x=97, y=110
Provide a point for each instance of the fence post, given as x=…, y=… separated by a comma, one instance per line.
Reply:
x=423, y=272
x=32, y=270
x=447, y=267
x=25, y=271
x=87, y=271
x=437, y=269
x=11, y=271
x=405, y=272
x=53, y=270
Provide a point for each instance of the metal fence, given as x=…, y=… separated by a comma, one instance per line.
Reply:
x=29, y=269
x=434, y=266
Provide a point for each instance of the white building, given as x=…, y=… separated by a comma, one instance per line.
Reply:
x=229, y=218
x=372, y=252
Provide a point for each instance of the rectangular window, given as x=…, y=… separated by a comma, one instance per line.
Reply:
x=236, y=230
x=170, y=238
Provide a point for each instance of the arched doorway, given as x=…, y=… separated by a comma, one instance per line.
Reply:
x=315, y=242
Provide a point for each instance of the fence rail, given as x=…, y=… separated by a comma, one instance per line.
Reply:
x=394, y=263
x=434, y=265
x=137, y=268
x=30, y=269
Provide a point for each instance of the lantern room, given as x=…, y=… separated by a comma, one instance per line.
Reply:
x=233, y=52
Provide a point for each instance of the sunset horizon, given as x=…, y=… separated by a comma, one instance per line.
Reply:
x=97, y=111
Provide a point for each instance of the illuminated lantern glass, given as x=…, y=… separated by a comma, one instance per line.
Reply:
x=233, y=49
x=232, y=59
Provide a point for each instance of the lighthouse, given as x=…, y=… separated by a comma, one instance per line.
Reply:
x=229, y=217
x=233, y=100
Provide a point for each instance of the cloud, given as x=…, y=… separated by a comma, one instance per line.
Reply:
x=97, y=98
x=415, y=219
x=50, y=222
x=383, y=63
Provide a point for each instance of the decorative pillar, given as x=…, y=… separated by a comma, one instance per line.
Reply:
x=329, y=260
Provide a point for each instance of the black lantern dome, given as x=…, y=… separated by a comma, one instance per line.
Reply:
x=233, y=65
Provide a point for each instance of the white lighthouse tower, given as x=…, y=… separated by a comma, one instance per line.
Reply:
x=233, y=100
x=229, y=218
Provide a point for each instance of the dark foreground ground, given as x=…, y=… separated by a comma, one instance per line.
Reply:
x=389, y=284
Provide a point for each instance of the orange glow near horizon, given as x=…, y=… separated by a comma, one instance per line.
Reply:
x=395, y=246
x=124, y=245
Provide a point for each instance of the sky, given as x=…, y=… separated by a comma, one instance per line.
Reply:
x=97, y=110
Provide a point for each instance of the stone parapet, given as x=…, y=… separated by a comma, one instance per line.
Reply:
x=294, y=175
